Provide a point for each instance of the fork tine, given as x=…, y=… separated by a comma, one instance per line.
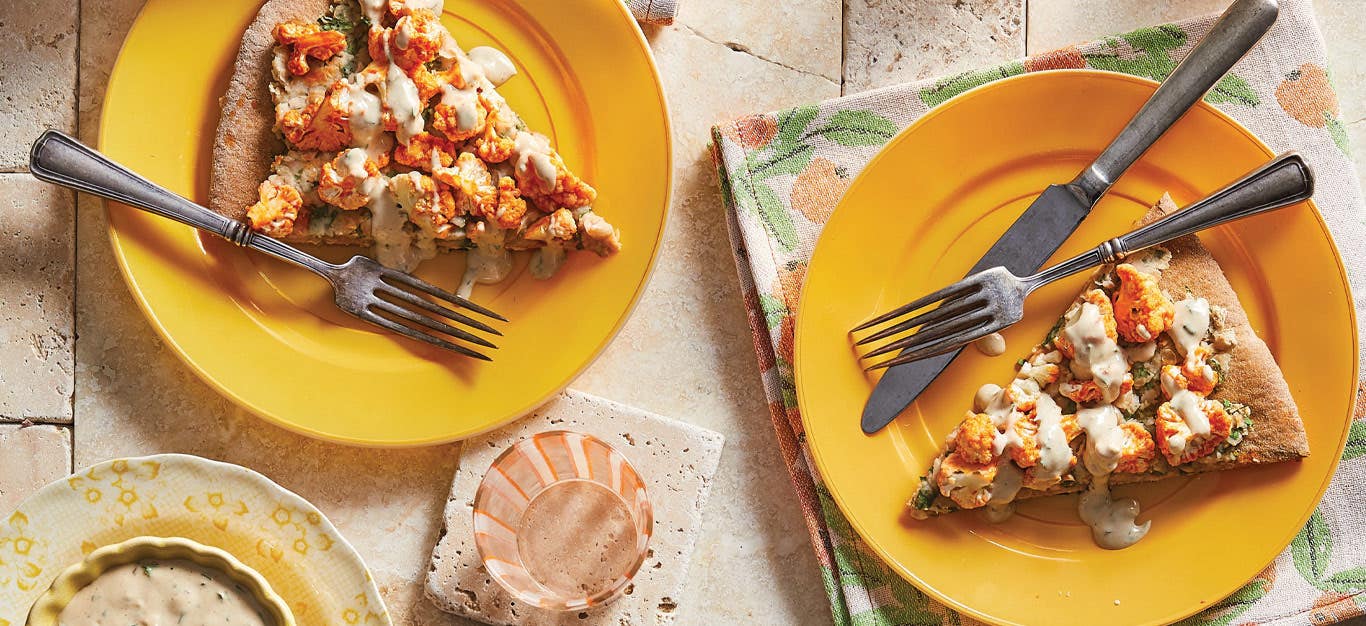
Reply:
x=931, y=332
x=422, y=285
x=437, y=309
x=436, y=325
x=931, y=348
x=950, y=308
x=411, y=333
x=915, y=304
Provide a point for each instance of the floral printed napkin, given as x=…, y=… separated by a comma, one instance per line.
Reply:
x=783, y=172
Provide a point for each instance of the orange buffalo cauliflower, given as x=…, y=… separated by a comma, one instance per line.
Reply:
x=277, y=209
x=416, y=39
x=1027, y=453
x=1142, y=311
x=1107, y=316
x=425, y=150
x=974, y=440
x=1087, y=391
x=342, y=186
x=306, y=39
x=476, y=193
x=322, y=125
x=511, y=206
x=1137, y=454
x=1175, y=439
x=461, y=115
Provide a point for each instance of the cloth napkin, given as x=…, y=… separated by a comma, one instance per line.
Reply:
x=1281, y=91
x=661, y=12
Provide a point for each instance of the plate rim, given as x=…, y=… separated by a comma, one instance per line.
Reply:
x=251, y=475
x=130, y=280
x=905, y=572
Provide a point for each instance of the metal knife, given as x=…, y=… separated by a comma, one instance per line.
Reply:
x=1048, y=222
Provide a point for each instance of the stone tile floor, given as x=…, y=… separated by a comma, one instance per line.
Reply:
x=127, y=393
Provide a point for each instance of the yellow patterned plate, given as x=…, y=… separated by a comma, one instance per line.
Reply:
x=918, y=217
x=268, y=528
x=267, y=335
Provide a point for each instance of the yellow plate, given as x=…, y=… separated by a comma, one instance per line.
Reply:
x=268, y=336
x=918, y=217
x=288, y=541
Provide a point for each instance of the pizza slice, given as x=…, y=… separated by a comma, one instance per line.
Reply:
x=1152, y=372
x=362, y=122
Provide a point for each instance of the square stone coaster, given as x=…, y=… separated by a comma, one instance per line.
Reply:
x=676, y=460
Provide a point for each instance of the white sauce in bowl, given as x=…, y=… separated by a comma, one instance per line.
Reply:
x=163, y=592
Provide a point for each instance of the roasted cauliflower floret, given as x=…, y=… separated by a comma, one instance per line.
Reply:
x=967, y=484
x=1138, y=452
x=491, y=145
x=511, y=206
x=417, y=38
x=400, y=8
x=1087, y=391
x=343, y=182
x=543, y=176
x=974, y=440
x=1107, y=316
x=1194, y=374
x=322, y=125
x=461, y=114
x=1142, y=311
x=600, y=237
x=558, y=226
x=425, y=205
x=1175, y=439
x=304, y=40
x=425, y=151
x=470, y=178
x=277, y=209
x=1026, y=454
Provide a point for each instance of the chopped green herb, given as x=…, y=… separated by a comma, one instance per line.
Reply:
x=433, y=65
x=1068, y=405
x=1141, y=371
x=147, y=567
x=332, y=22
x=924, y=496
x=1053, y=332
x=1020, y=363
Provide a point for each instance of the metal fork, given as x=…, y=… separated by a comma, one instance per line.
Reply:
x=991, y=300
x=359, y=284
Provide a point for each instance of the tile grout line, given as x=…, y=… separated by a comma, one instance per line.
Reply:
x=75, y=239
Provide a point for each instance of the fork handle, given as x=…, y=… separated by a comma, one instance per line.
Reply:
x=1239, y=29
x=60, y=159
x=1282, y=181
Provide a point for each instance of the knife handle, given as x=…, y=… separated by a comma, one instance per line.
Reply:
x=1231, y=37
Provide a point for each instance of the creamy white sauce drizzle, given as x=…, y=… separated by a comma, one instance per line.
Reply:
x=1111, y=521
x=986, y=394
x=485, y=264
x=1009, y=480
x=465, y=102
x=546, y=261
x=1187, y=405
x=164, y=592
x=1098, y=357
x=1055, y=454
x=435, y=6
x=993, y=344
x=533, y=154
x=1191, y=324
x=374, y=11
x=404, y=103
x=498, y=68
x=354, y=160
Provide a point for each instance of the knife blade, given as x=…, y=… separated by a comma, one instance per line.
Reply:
x=1060, y=209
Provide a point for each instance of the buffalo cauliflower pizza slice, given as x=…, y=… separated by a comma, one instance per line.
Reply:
x=1153, y=371
x=362, y=122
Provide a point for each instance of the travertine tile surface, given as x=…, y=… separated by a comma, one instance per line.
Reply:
x=30, y=457
x=686, y=352
x=895, y=41
x=37, y=74
x=36, y=285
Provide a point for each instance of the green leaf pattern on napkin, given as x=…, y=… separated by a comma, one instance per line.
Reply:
x=781, y=175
